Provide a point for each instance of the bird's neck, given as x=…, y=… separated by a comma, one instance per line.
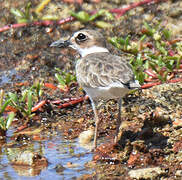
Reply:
x=93, y=49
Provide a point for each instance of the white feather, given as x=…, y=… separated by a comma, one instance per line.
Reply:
x=93, y=49
x=113, y=91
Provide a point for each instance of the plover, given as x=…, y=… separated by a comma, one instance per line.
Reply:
x=102, y=75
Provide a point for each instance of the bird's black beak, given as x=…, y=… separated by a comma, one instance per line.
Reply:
x=61, y=43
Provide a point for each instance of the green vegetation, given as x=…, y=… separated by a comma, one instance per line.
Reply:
x=151, y=51
x=22, y=103
x=30, y=14
x=64, y=79
x=24, y=16
x=84, y=17
x=5, y=122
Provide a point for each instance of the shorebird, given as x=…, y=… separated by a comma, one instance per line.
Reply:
x=102, y=75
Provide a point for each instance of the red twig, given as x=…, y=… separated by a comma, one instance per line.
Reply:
x=174, y=41
x=122, y=11
x=149, y=85
x=151, y=80
x=11, y=109
x=26, y=83
x=21, y=128
x=39, y=105
x=119, y=13
x=7, y=27
x=150, y=73
x=56, y=102
x=37, y=23
x=175, y=80
x=50, y=85
x=171, y=52
x=73, y=102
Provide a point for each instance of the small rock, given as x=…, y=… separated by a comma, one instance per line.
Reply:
x=59, y=168
x=86, y=136
x=71, y=165
x=177, y=123
x=179, y=173
x=146, y=173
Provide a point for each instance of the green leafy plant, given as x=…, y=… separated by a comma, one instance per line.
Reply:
x=148, y=29
x=64, y=79
x=5, y=122
x=37, y=90
x=22, y=103
x=121, y=43
x=24, y=16
x=138, y=67
x=85, y=17
x=158, y=59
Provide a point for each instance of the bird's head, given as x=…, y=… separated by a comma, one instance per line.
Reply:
x=84, y=41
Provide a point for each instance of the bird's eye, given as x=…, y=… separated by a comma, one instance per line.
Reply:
x=81, y=37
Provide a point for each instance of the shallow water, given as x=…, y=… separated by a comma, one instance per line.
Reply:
x=66, y=159
x=9, y=76
x=58, y=152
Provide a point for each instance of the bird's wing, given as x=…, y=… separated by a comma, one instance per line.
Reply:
x=102, y=70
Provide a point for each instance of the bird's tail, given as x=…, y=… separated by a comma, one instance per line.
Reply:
x=135, y=85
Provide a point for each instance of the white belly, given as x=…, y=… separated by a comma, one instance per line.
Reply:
x=106, y=93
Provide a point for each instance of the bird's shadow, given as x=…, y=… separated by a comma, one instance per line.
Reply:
x=151, y=138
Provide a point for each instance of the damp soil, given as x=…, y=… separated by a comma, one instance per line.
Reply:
x=149, y=136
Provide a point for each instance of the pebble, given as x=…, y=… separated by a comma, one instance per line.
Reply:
x=86, y=136
x=179, y=173
x=146, y=173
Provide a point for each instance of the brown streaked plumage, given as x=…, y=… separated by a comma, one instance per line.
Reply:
x=101, y=71
x=102, y=75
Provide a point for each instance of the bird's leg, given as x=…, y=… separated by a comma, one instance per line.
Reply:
x=118, y=121
x=97, y=120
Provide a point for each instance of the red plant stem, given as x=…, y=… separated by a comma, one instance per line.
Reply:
x=39, y=105
x=150, y=73
x=149, y=85
x=50, y=85
x=151, y=80
x=145, y=86
x=55, y=102
x=175, y=80
x=122, y=11
x=174, y=41
x=66, y=99
x=63, y=21
x=149, y=45
x=73, y=102
x=26, y=83
x=21, y=128
x=171, y=52
x=37, y=23
x=11, y=109
x=7, y=27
